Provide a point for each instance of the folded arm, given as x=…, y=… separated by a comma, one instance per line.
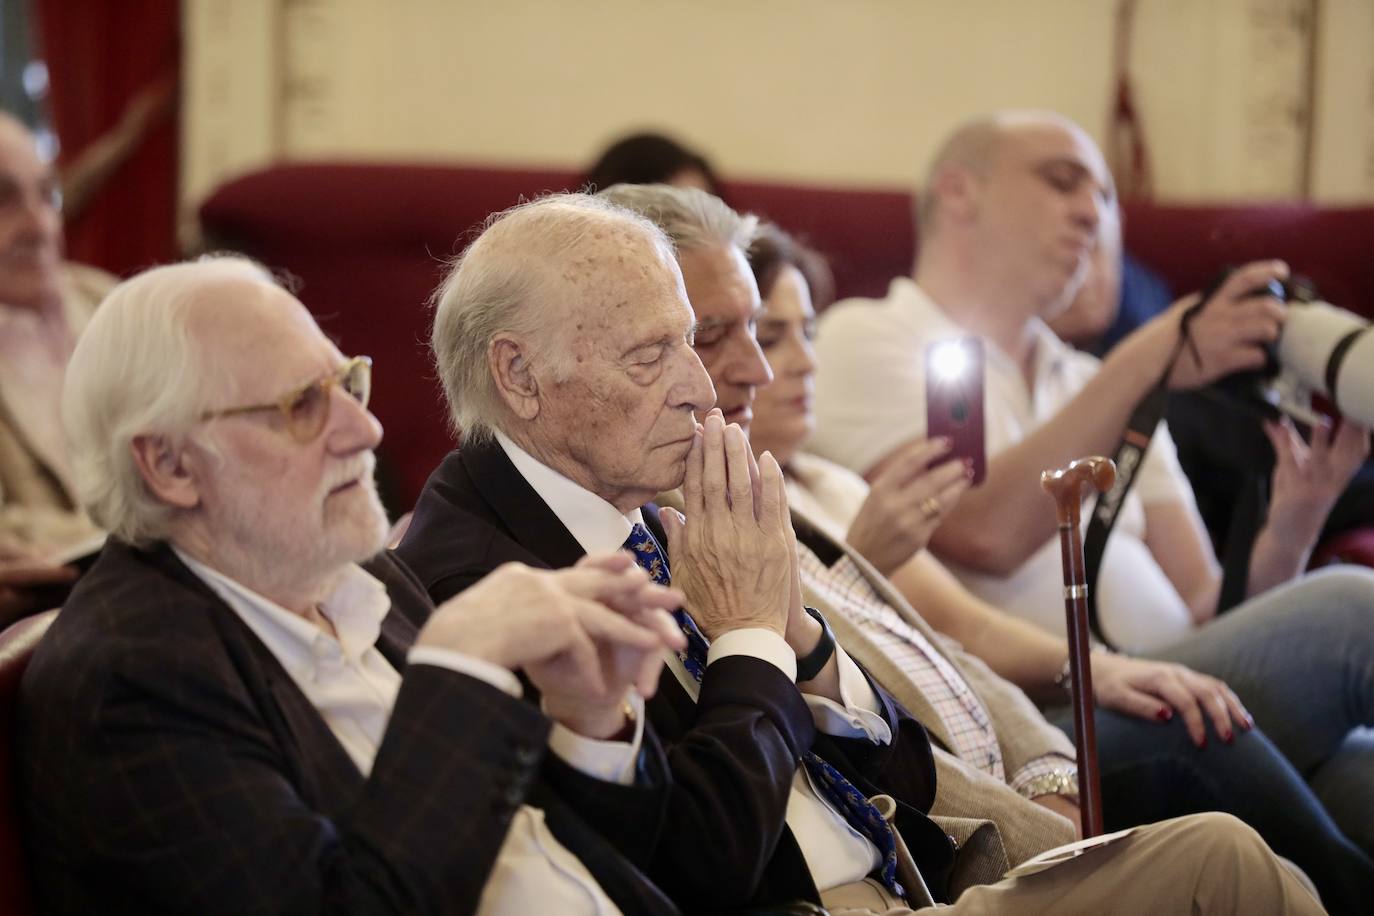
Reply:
x=182, y=791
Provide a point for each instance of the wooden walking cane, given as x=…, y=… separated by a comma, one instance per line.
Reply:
x=1067, y=486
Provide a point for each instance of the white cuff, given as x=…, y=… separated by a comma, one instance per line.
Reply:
x=471, y=665
x=609, y=761
x=860, y=716
x=759, y=642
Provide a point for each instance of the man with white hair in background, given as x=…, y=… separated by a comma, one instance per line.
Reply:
x=564, y=338
x=44, y=303
x=246, y=707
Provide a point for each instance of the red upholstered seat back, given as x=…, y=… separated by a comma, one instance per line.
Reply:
x=1189, y=244
x=16, y=648
x=369, y=241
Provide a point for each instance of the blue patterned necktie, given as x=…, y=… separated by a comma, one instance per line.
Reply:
x=861, y=814
x=648, y=555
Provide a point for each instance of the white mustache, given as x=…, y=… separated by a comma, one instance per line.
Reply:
x=359, y=468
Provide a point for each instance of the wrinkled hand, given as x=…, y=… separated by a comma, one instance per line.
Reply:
x=1156, y=690
x=628, y=591
x=803, y=632
x=1308, y=478
x=1230, y=332
x=730, y=555
x=1064, y=807
x=583, y=635
x=14, y=551
x=906, y=503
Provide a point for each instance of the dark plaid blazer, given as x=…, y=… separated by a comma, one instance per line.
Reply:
x=732, y=754
x=170, y=764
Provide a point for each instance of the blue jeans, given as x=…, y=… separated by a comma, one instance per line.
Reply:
x=1301, y=657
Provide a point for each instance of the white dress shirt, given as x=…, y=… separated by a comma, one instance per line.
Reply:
x=354, y=687
x=870, y=397
x=834, y=851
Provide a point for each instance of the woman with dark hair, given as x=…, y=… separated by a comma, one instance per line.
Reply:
x=649, y=158
x=1155, y=761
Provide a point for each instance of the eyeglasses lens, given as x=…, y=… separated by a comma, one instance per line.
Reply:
x=309, y=411
x=357, y=381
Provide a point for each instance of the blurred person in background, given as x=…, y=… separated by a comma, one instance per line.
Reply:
x=1008, y=224
x=651, y=158
x=1224, y=450
x=1150, y=721
x=44, y=305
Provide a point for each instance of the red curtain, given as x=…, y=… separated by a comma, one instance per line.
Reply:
x=99, y=55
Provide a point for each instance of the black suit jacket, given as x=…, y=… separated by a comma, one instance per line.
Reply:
x=170, y=764
x=732, y=753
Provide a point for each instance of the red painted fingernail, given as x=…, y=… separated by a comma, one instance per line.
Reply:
x=1164, y=714
x=1203, y=742
x=1228, y=736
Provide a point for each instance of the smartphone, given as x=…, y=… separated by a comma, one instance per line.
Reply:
x=954, y=399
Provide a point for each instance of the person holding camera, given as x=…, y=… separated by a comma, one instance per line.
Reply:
x=1009, y=219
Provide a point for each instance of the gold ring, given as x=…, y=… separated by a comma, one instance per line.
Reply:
x=930, y=506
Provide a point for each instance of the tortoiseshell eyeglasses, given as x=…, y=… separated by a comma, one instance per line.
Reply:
x=306, y=410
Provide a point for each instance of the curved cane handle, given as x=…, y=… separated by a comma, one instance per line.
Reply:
x=1067, y=485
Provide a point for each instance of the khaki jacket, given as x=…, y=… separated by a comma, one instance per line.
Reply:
x=35, y=506
x=995, y=827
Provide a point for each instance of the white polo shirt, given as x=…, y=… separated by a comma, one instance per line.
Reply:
x=870, y=398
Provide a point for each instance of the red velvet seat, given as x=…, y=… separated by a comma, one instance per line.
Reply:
x=368, y=243
x=16, y=648
x=1350, y=547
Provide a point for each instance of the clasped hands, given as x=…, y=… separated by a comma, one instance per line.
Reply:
x=585, y=636
x=734, y=554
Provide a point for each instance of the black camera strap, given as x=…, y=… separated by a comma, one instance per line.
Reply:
x=1130, y=454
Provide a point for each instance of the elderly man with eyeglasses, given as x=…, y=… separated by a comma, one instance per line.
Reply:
x=247, y=707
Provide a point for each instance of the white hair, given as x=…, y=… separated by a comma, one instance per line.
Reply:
x=690, y=217
x=138, y=370
x=508, y=281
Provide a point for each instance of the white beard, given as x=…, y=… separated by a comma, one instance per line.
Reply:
x=259, y=544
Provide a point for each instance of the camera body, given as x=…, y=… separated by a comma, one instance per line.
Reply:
x=1322, y=350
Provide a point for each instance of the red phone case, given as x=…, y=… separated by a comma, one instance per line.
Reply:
x=954, y=401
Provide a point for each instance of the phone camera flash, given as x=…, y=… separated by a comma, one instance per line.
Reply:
x=950, y=360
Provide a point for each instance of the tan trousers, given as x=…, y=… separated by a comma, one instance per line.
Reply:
x=1204, y=863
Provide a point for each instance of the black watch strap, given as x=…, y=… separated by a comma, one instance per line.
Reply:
x=809, y=667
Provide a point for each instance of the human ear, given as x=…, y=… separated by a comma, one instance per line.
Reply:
x=957, y=190
x=508, y=360
x=165, y=470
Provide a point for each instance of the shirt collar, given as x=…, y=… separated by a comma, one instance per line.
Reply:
x=596, y=524
x=936, y=324
x=356, y=607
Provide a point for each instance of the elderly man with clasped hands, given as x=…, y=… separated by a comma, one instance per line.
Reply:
x=569, y=354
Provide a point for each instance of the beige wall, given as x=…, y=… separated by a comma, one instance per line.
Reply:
x=840, y=91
